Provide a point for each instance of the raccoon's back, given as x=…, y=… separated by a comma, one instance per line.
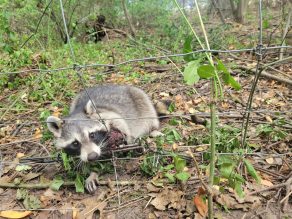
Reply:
x=126, y=100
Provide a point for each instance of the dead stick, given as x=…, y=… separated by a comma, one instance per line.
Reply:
x=69, y=183
x=199, y=172
x=267, y=75
x=288, y=182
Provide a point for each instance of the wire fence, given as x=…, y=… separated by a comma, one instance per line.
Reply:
x=259, y=51
x=151, y=58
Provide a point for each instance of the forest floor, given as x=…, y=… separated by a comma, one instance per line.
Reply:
x=138, y=194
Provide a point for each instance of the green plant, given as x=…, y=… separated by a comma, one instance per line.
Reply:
x=172, y=166
x=176, y=170
x=78, y=171
x=228, y=169
x=272, y=131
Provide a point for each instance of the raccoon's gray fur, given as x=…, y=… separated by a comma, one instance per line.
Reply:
x=121, y=107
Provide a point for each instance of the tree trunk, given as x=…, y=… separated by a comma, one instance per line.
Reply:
x=128, y=18
x=218, y=10
x=239, y=10
x=233, y=9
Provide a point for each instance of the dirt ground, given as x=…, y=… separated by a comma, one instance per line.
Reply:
x=140, y=196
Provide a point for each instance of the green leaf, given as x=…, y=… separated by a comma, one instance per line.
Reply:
x=66, y=161
x=21, y=194
x=171, y=107
x=176, y=135
x=22, y=167
x=221, y=67
x=170, y=177
x=206, y=71
x=226, y=159
x=57, y=183
x=252, y=171
x=226, y=170
x=238, y=189
x=191, y=72
x=179, y=164
x=169, y=167
x=227, y=78
x=238, y=178
x=233, y=83
x=79, y=185
x=31, y=202
x=183, y=176
x=188, y=48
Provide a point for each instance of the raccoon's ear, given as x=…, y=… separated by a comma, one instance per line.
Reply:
x=54, y=125
x=89, y=108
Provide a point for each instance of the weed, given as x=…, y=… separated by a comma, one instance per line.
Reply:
x=172, y=166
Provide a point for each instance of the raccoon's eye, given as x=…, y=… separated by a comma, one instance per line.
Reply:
x=98, y=136
x=73, y=148
x=75, y=144
x=91, y=134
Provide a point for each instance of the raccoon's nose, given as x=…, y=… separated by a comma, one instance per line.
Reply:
x=92, y=156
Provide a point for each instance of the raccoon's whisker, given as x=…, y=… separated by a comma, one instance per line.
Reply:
x=103, y=144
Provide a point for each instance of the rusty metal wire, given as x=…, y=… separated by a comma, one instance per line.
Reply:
x=95, y=65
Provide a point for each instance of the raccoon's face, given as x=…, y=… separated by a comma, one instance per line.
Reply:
x=84, y=138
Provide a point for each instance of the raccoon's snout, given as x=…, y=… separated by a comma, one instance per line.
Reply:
x=92, y=156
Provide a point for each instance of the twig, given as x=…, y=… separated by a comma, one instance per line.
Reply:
x=69, y=183
x=267, y=75
x=148, y=202
x=287, y=183
x=288, y=193
x=126, y=204
x=199, y=172
x=116, y=176
x=286, y=197
x=16, y=142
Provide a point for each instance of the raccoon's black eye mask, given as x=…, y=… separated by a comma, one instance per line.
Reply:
x=73, y=148
x=98, y=136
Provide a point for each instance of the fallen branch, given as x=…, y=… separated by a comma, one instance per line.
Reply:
x=287, y=183
x=267, y=75
x=69, y=183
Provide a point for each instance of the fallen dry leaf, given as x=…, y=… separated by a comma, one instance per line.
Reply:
x=56, y=111
x=38, y=133
x=202, y=148
x=248, y=202
x=163, y=94
x=15, y=214
x=50, y=195
x=20, y=155
x=269, y=119
x=174, y=146
x=225, y=105
x=152, y=188
x=201, y=205
x=92, y=205
x=30, y=176
x=270, y=160
x=75, y=213
x=266, y=183
x=168, y=198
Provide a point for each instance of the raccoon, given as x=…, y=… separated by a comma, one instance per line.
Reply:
x=91, y=123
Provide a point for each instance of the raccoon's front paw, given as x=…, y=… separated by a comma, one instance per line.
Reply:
x=91, y=182
x=156, y=133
